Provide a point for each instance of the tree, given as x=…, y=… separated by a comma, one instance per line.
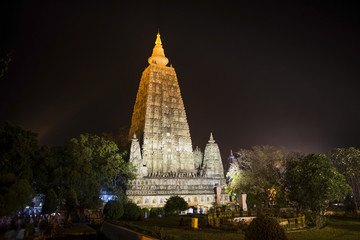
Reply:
x=175, y=204
x=50, y=202
x=19, y=149
x=93, y=163
x=313, y=182
x=71, y=202
x=120, y=137
x=15, y=193
x=49, y=171
x=257, y=171
x=347, y=162
x=18, y=152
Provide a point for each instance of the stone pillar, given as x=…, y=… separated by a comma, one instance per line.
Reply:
x=242, y=201
x=218, y=195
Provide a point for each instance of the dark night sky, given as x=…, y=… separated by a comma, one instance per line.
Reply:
x=284, y=74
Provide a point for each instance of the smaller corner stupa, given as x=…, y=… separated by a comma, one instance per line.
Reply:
x=212, y=159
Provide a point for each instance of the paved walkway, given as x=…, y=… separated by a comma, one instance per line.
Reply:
x=76, y=229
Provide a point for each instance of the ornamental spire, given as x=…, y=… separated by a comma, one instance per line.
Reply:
x=158, y=39
x=158, y=55
x=211, y=138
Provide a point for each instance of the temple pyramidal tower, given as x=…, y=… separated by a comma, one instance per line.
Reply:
x=161, y=146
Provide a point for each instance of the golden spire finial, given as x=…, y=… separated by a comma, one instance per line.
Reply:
x=158, y=40
x=158, y=55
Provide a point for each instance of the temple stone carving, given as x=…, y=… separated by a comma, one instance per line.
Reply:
x=161, y=146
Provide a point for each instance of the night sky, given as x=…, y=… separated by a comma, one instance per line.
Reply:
x=284, y=74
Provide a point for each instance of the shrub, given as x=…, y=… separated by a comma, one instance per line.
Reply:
x=314, y=219
x=147, y=211
x=202, y=221
x=265, y=227
x=281, y=199
x=154, y=212
x=131, y=211
x=114, y=210
x=161, y=211
x=253, y=201
x=211, y=210
x=174, y=205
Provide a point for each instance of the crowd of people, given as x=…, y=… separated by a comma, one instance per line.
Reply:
x=44, y=222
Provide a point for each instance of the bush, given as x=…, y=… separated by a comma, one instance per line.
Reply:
x=281, y=199
x=114, y=210
x=154, y=212
x=131, y=211
x=265, y=227
x=313, y=219
x=147, y=211
x=174, y=205
x=202, y=221
x=253, y=202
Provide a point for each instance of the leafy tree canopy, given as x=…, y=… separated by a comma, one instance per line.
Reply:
x=71, y=201
x=49, y=171
x=15, y=193
x=175, y=204
x=94, y=163
x=258, y=171
x=50, y=203
x=18, y=153
x=313, y=181
x=347, y=162
x=19, y=149
x=120, y=137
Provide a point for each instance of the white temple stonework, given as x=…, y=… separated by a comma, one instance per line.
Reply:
x=161, y=146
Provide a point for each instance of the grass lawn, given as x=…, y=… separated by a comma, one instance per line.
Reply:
x=338, y=228
x=170, y=227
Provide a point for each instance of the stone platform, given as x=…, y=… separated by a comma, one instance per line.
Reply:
x=197, y=191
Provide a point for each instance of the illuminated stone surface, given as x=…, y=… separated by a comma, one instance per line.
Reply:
x=165, y=161
x=212, y=163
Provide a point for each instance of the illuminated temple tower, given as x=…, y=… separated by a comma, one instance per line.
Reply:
x=161, y=146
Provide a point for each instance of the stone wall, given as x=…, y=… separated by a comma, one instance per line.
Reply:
x=153, y=192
